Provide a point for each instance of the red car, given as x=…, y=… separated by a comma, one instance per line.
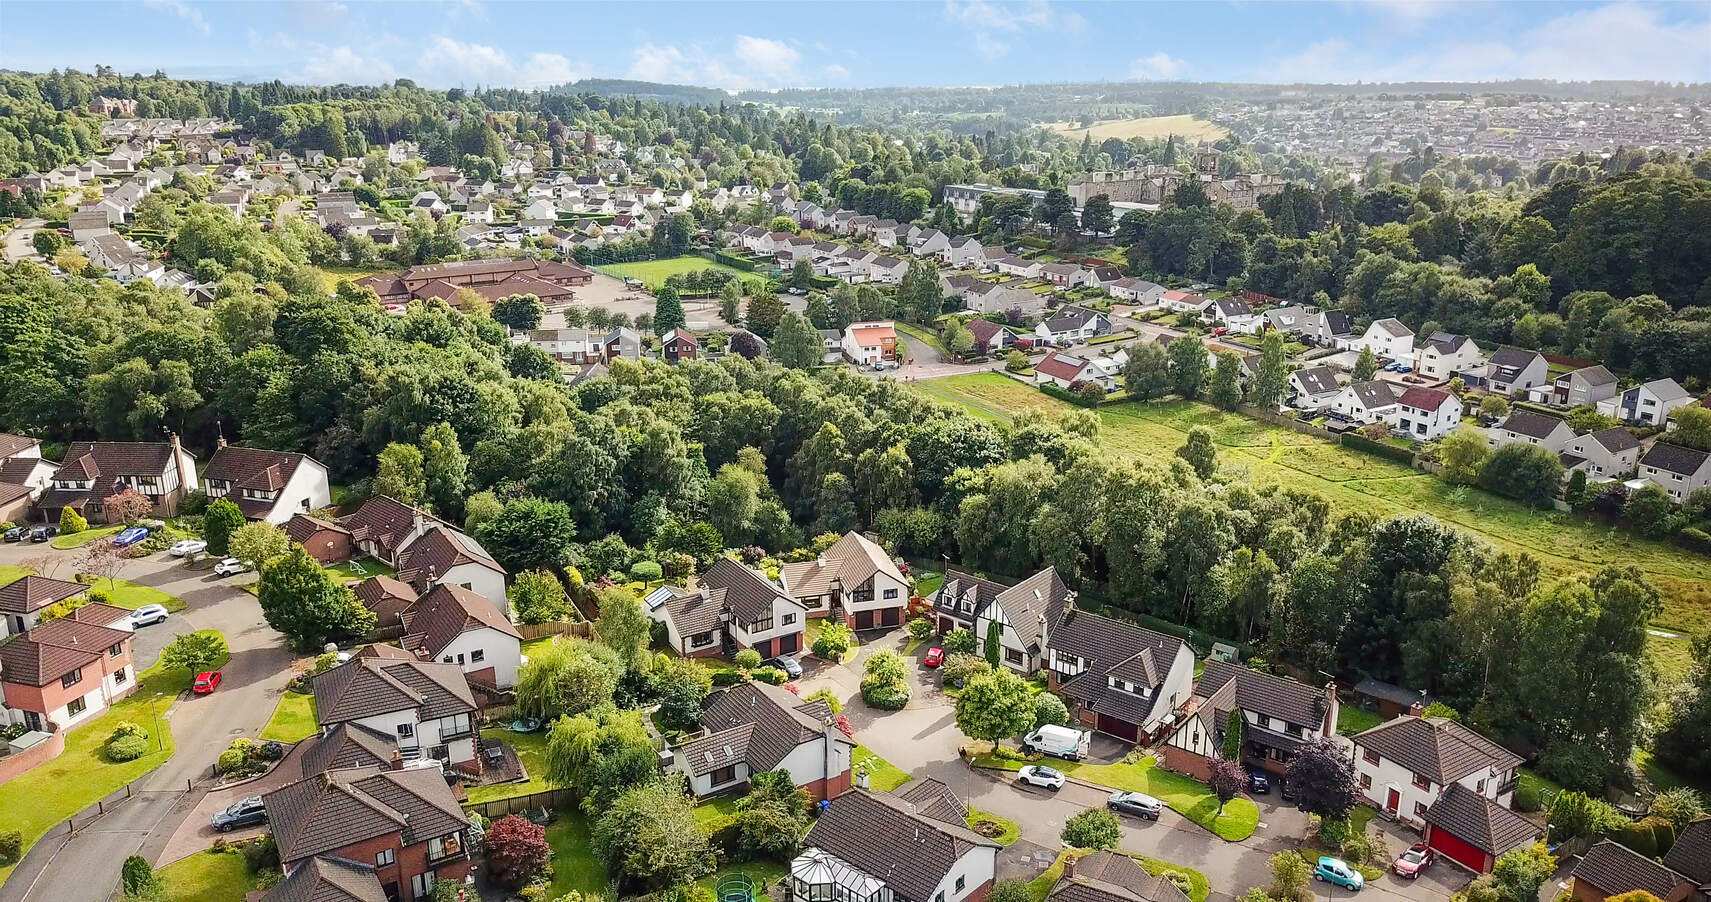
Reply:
x=935, y=657
x=1418, y=857
x=206, y=682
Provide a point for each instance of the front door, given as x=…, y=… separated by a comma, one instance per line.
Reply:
x=1392, y=801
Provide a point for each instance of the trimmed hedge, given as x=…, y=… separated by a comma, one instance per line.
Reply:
x=728, y=260
x=1064, y=394
x=1378, y=449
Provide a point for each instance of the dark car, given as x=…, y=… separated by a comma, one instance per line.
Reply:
x=17, y=533
x=43, y=533
x=1287, y=791
x=1258, y=783
x=1138, y=804
x=243, y=813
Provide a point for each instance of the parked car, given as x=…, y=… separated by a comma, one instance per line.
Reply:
x=1288, y=791
x=935, y=657
x=789, y=665
x=17, y=533
x=1258, y=784
x=1337, y=871
x=148, y=615
x=43, y=533
x=206, y=681
x=1138, y=804
x=230, y=567
x=242, y=813
x=130, y=535
x=1410, y=863
x=1040, y=775
x=186, y=547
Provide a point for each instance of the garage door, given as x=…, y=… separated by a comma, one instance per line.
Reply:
x=1118, y=728
x=891, y=617
x=789, y=644
x=864, y=620
x=1452, y=847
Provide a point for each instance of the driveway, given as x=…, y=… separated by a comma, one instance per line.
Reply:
x=84, y=867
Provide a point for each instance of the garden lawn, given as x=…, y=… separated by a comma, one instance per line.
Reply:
x=80, y=539
x=1007, y=835
x=928, y=583
x=576, y=869
x=653, y=273
x=131, y=595
x=881, y=774
x=716, y=813
x=532, y=751
x=82, y=775
x=763, y=872
x=293, y=720
x=1569, y=544
x=1198, y=886
x=331, y=276
x=352, y=570
x=1188, y=796
x=1352, y=720
x=207, y=877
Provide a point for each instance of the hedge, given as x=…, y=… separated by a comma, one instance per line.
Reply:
x=728, y=260
x=1064, y=394
x=1379, y=449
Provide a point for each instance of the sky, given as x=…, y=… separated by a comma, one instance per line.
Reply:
x=853, y=43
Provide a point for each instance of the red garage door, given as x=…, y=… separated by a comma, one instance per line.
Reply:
x=1452, y=847
x=1118, y=728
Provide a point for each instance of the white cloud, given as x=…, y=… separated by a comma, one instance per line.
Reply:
x=341, y=64
x=1160, y=66
x=1409, y=13
x=749, y=63
x=835, y=72
x=449, y=62
x=182, y=10
x=666, y=65
x=994, y=23
x=767, y=57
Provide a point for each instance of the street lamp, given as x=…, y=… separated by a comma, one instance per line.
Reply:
x=156, y=718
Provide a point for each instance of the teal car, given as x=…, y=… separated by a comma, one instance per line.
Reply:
x=1337, y=871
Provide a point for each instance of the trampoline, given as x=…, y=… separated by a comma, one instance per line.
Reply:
x=738, y=887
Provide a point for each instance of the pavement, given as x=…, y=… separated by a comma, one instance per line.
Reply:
x=84, y=865
x=15, y=245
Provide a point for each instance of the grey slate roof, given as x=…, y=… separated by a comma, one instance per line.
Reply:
x=1032, y=603
x=1615, y=869
x=761, y=724
x=1615, y=439
x=1446, y=342
x=1436, y=747
x=1508, y=362
x=1675, y=459
x=893, y=841
x=1691, y=854
x=1393, y=326
x=1113, y=648
x=748, y=594
x=1317, y=379
x=1479, y=821
x=1528, y=423
x=1373, y=394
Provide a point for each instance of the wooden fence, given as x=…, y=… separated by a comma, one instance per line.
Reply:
x=497, y=808
x=582, y=629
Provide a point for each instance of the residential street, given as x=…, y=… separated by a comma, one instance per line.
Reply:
x=85, y=866
x=16, y=244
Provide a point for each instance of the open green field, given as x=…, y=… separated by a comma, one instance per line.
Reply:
x=653, y=273
x=1189, y=127
x=1352, y=481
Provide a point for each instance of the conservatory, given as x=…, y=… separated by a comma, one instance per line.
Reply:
x=819, y=876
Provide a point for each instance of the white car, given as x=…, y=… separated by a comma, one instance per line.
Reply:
x=186, y=547
x=229, y=567
x=148, y=614
x=1040, y=775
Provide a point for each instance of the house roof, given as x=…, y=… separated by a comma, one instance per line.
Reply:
x=893, y=841
x=1666, y=389
x=871, y=334
x=1446, y=342
x=1339, y=323
x=302, y=527
x=852, y=560
x=1393, y=326
x=1509, y=362
x=378, y=588
x=1593, y=375
x=99, y=614
x=1373, y=394
x=984, y=330
x=1233, y=307
x=934, y=798
x=747, y=594
x=1479, y=821
x=330, y=811
x=1033, y=604
x=1317, y=380
x=446, y=613
x=54, y=649
x=1675, y=459
x=1266, y=694
x=1424, y=398
x=1615, y=439
x=1071, y=318
x=364, y=687
x=756, y=723
x=959, y=586
x=1528, y=423
x=1061, y=366
x=252, y=468
x=1691, y=854
x=1615, y=869
x=682, y=336
x=1113, y=877
x=32, y=593
x=347, y=745
x=1436, y=747
x=104, y=464
x=437, y=551
x=328, y=879
x=12, y=444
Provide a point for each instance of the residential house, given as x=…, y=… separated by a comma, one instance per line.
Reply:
x=1678, y=471
x=64, y=672
x=1691, y=855
x=1587, y=385
x=730, y=608
x=1612, y=869
x=1443, y=354
x=961, y=598
x=1387, y=338
x=1427, y=414
x=423, y=549
x=1514, y=370
x=1136, y=291
x=453, y=625
x=425, y=706
x=387, y=598
x=326, y=540
x=1525, y=426
x=24, y=475
x=481, y=211
x=1605, y=455
x=88, y=224
x=1021, y=616
x=365, y=829
x=94, y=471
x=1405, y=764
x=928, y=243
x=1278, y=715
x=878, y=846
x=1365, y=402
x=678, y=345
x=1103, y=276
x=870, y=342
x=991, y=338
x=1183, y=301
x=1118, y=678
x=1234, y=314
x=983, y=297
x=125, y=261
x=754, y=728
x=887, y=270
x=1073, y=323
x=1290, y=319
x=1469, y=829
x=1018, y=267
x=1313, y=388
x=23, y=600
x=1060, y=369
x=1064, y=275
x=1649, y=404
x=271, y=486
x=1329, y=329
x=962, y=252
x=854, y=580
x=1107, y=876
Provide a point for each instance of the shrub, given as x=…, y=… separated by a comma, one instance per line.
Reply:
x=1527, y=797
x=646, y=571
x=127, y=747
x=958, y=668
x=137, y=878
x=1049, y=709
x=885, y=695
x=834, y=640
x=722, y=678
x=748, y=659
x=261, y=855
x=1678, y=806
x=1640, y=837
x=770, y=675
x=1009, y=889
x=71, y=521
x=827, y=696
x=1183, y=881
x=516, y=850
x=920, y=628
x=231, y=761
x=11, y=846
x=1333, y=832
x=1094, y=828
x=1064, y=394
x=1016, y=361
x=960, y=640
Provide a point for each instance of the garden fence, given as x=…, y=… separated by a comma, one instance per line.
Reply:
x=497, y=808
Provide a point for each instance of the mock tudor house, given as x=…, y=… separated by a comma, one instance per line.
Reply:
x=326, y=541
x=1021, y=615
x=1444, y=354
x=1527, y=427
x=1405, y=764
x=1107, y=876
x=1427, y=414
x=23, y=600
x=271, y=486
x=961, y=598
x=64, y=672
x=1118, y=678
x=1678, y=471
x=425, y=706
x=24, y=475
x=1278, y=714
x=730, y=608
x=94, y=471
x=424, y=549
x=453, y=625
x=1605, y=455
x=875, y=846
x=753, y=728
x=854, y=577
x=1649, y=404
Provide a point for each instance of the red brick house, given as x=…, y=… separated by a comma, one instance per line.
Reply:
x=679, y=344
x=326, y=541
x=64, y=672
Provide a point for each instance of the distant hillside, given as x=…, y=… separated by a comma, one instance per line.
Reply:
x=620, y=87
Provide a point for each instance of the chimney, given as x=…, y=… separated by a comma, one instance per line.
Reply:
x=1416, y=709
x=397, y=762
x=1332, y=707
x=1068, y=867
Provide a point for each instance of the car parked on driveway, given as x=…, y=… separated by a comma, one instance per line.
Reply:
x=206, y=681
x=1259, y=784
x=935, y=657
x=229, y=567
x=1410, y=863
x=147, y=615
x=130, y=535
x=43, y=533
x=789, y=665
x=1138, y=804
x=17, y=533
x=1041, y=776
x=1337, y=871
x=187, y=546
x=242, y=813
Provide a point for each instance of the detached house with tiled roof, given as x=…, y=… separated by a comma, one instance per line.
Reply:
x=1427, y=414
x=1111, y=877
x=961, y=598
x=1612, y=869
x=23, y=600
x=24, y=475
x=95, y=471
x=426, y=707
x=1406, y=764
x=64, y=672
x=425, y=550
x=753, y=728
x=729, y=608
x=854, y=579
x=270, y=486
x=1677, y=470
x=1278, y=714
x=453, y=625
x=873, y=846
x=1116, y=677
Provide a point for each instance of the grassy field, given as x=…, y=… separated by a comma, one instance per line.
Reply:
x=1352, y=481
x=1188, y=127
x=653, y=273
x=293, y=720
x=207, y=877
x=331, y=276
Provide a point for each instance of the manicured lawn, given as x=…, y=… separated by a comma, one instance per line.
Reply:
x=1191, y=798
x=131, y=595
x=80, y=539
x=715, y=813
x=1351, y=481
x=927, y=583
x=81, y=775
x=576, y=869
x=764, y=873
x=1007, y=835
x=293, y=720
x=349, y=570
x=207, y=877
x=1199, y=886
x=653, y=273
x=1352, y=720
x=881, y=774
x=1541, y=786
x=532, y=751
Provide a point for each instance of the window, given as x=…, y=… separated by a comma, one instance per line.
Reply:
x=700, y=639
x=961, y=882
x=762, y=625
x=119, y=677
x=422, y=884
x=1012, y=656
x=115, y=650
x=1420, y=809
x=477, y=656
x=76, y=707
x=1368, y=756
x=383, y=858
x=1366, y=781
x=890, y=593
x=406, y=729
x=939, y=896
x=789, y=619
x=71, y=679
x=724, y=775
x=1422, y=781
x=1480, y=788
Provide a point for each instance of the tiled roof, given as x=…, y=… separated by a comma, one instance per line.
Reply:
x=1508, y=362
x=326, y=879
x=1479, y=821
x=347, y=745
x=1436, y=747
x=31, y=593
x=747, y=594
x=1317, y=379
x=55, y=649
x=1528, y=423
x=100, y=614
x=1373, y=394
x=302, y=527
x=1675, y=459
x=327, y=812
x=364, y=687
x=1113, y=877
x=1393, y=326
x=852, y=559
x=1061, y=366
x=1616, y=869
x=104, y=464
x=1446, y=342
x=434, y=553
x=1424, y=398
x=935, y=799
x=446, y=613
x=11, y=444
x=14, y=470
x=383, y=520
x=1691, y=854
x=893, y=841
x=1265, y=694
x=251, y=468
x=755, y=723
x=1615, y=439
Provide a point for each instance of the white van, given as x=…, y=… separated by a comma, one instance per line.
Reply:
x=1060, y=742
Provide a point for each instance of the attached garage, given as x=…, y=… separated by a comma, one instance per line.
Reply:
x=1472, y=830
x=790, y=644
x=1449, y=846
x=1123, y=730
x=863, y=620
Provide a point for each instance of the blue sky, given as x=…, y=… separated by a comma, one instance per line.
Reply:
x=819, y=43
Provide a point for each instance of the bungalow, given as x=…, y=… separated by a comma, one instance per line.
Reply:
x=1365, y=402
x=1235, y=315
x=1278, y=715
x=64, y=672
x=1064, y=275
x=1060, y=369
x=23, y=600
x=1519, y=426
x=1444, y=354
x=88, y=224
x=1587, y=385
x=1018, y=267
x=326, y=541
x=425, y=706
x=876, y=846
x=1117, y=678
x=990, y=338
x=1404, y=765
x=854, y=580
x=1514, y=370
x=1137, y=291
x=1678, y=471
x=271, y=486
x=1071, y=324
x=1649, y=404
x=126, y=261
x=1427, y=414
x=453, y=625
x=1386, y=337
x=1183, y=301
x=870, y=342
x=731, y=608
x=1313, y=388
x=754, y=728
x=1605, y=455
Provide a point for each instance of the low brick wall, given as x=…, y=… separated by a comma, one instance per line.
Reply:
x=14, y=766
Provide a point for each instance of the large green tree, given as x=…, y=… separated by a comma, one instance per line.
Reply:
x=307, y=604
x=529, y=533
x=219, y=521
x=995, y=705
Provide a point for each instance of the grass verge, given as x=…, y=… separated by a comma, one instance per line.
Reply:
x=293, y=720
x=207, y=877
x=1186, y=795
x=881, y=774
x=80, y=539
x=1007, y=833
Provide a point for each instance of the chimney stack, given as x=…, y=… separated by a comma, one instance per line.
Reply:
x=1332, y=709
x=1069, y=867
x=397, y=760
x=1416, y=709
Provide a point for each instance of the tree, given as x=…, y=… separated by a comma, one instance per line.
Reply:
x=772, y=819
x=668, y=311
x=400, y=475
x=1366, y=365
x=1463, y=454
x=521, y=312
x=1684, y=737
x=516, y=850
x=623, y=626
x=1650, y=510
x=834, y=641
x=1271, y=382
x=529, y=533
x=567, y=676
x=127, y=506
x=649, y=839
x=305, y=603
x=257, y=543
x=1097, y=215
x=537, y=596
x=1228, y=779
x=730, y=301
x=1691, y=427
x=195, y=652
x=136, y=876
x=765, y=312
x=1200, y=452
x=1227, y=381
x=1147, y=373
x=1680, y=806
x=1289, y=877
x=1324, y=780
x=1049, y=709
x=1092, y=828
x=1520, y=872
x=479, y=508
x=1233, y=739
x=1530, y=474
x=70, y=521
x=994, y=630
x=797, y=343
x=1187, y=367
x=1493, y=407
x=994, y=705
x=802, y=274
